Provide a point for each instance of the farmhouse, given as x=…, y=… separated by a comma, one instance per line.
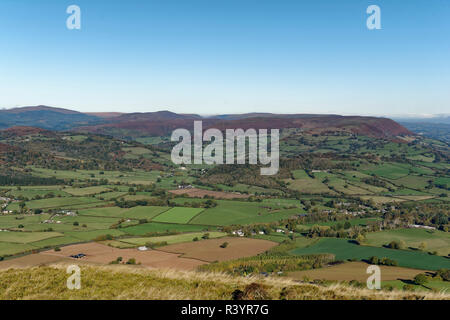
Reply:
x=185, y=186
x=238, y=233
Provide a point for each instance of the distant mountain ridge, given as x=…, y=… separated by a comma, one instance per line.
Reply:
x=157, y=126
x=39, y=108
x=156, y=116
x=268, y=115
x=46, y=118
x=162, y=123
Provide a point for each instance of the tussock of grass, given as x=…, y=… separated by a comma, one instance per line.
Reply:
x=122, y=282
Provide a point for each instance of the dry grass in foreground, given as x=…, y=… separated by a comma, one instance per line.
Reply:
x=120, y=282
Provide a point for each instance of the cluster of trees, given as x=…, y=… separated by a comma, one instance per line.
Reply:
x=329, y=216
x=375, y=182
x=352, y=232
x=92, y=153
x=396, y=245
x=444, y=274
x=435, y=215
x=231, y=175
x=322, y=161
x=383, y=261
x=14, y=178
x=163, y=201
x=210, y=203
x=122, y=203
x=153, y=245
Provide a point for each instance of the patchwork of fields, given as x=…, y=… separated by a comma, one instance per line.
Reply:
x=198, y=214
x=435, y=240
x=344, y=250
x=186, y=256
x=30, y=232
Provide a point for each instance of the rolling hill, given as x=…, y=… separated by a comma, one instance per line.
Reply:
x=46, y=118
x=368, y=126
x=162, y=123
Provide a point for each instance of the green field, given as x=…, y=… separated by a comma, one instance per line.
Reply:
x=52, y=242
x=136, y=176
x=26, y=237
x=144, y=212
x=65, y=202
x=14, y=248
x=435, y=240
x=186, y=237
x=90, y=222
x=248, y=189
x=240, y=212
x=305, y=184
x=178, y=215
x=282, y=203
x=92, y=235
x=417, y=182
x=343, y=249
x=155, y=227
x=31, y=193
x=12, y=221
x=103, y=212
x=387, y=170
x=133, y=213
x=86, y=191
x=110, y=195
x=445, y=181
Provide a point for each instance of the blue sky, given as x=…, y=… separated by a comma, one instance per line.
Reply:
x=227, y=56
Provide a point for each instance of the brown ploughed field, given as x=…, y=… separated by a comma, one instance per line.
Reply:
x=100, y=254
x=31, y=260
x=210, y=250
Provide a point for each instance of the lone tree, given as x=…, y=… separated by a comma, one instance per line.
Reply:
x=423, y=246
x=373, y=260
x=205, y=236
x=396, y=244
x=360, y=239
x=421, y=279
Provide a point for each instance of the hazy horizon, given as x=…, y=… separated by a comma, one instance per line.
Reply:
x=406, y=116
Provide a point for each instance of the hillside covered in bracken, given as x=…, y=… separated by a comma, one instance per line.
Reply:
x=372, y=127
x=162, y=123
